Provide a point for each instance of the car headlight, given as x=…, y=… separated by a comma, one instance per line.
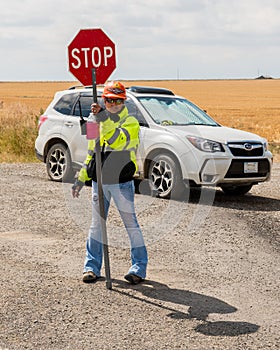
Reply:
x=265, y=145
x=205, y=145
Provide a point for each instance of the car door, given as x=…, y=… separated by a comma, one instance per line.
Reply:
x=72, y=129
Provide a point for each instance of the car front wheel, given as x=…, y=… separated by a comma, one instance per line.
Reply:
x=58, y=164
x=165, y=177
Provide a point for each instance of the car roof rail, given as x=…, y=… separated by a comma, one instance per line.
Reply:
x=150, y=90
x=80, y=87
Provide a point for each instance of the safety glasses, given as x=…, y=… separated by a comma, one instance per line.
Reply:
x=116, y=101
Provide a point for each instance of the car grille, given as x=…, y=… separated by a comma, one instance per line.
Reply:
x=236, y=169
x=246, y=149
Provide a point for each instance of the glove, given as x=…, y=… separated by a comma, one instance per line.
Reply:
x=76, y=188
x=101, y=116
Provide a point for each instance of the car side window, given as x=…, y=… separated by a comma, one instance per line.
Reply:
x=134, y=111
x=83, y=106
x=65, y=104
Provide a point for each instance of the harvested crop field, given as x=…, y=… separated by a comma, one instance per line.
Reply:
x=250, y=105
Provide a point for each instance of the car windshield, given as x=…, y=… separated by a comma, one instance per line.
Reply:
x=175, y=111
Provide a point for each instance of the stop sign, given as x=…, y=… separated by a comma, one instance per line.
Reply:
x=91, y=48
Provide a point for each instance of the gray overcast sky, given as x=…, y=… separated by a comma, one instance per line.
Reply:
x=155, y=39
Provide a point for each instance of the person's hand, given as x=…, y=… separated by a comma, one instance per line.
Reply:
x=76, y=188
x=99, y=112
x=76, y=192
x=95, y=108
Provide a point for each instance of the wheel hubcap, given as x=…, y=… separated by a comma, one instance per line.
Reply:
x=162, y=177
x=57, y=163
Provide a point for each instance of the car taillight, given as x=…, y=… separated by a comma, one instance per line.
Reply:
x=42, y=119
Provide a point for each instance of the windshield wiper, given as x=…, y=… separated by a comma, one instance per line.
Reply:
x=200, y=124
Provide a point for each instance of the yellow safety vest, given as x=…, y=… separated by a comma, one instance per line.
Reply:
x=119, y=140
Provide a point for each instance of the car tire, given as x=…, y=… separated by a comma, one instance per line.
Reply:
x=165, y=177
x=236, y=190
x=58, y=163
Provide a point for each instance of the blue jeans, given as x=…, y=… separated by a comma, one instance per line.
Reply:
x=123, y=196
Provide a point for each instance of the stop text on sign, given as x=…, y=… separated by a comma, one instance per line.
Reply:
x=87, y=56
x=91, y=49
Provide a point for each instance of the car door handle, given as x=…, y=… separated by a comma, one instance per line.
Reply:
x=69, y=124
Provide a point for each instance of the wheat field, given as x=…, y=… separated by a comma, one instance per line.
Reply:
x=250, y=105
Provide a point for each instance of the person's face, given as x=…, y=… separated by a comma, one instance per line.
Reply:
x=114, y=105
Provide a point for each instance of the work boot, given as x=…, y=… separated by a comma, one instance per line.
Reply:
x=89, y=277
x=133, y=279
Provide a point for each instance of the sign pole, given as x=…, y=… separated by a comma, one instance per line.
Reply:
x=101, y=196
x=91, y=59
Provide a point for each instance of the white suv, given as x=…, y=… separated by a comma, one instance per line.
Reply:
x=180, y=144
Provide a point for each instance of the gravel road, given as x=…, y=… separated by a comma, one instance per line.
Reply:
x=212, y=283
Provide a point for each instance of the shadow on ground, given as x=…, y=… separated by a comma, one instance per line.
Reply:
x=214, y=196
x=200, y=306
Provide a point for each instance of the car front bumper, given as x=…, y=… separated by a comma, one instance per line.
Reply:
x=39, y=156
x=220, y=169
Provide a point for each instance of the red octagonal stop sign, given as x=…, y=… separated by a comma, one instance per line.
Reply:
x=91, y=48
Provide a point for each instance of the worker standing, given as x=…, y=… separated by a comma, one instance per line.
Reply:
x=119, y=139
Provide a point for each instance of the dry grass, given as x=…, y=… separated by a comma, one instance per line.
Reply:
x=20, y=107
x=251, y=105
x=18, y=129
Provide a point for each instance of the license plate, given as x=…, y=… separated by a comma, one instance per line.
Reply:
x=250, y=167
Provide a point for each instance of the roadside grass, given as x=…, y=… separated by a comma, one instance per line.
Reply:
x=18, y=129
x=275, y=150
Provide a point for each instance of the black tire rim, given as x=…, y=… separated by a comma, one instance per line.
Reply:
x=57, y=164
x=162, y=177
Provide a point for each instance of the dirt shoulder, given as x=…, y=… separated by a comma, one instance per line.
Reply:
x=213, y=276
